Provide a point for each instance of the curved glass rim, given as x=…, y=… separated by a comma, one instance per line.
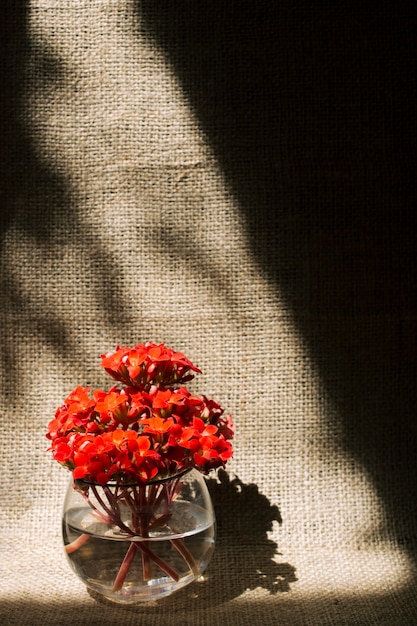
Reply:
x=117, y=483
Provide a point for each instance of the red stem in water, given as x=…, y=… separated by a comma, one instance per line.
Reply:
x=143, y=505
x=77, y=543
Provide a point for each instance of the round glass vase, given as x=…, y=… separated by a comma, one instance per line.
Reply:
x=139, y=542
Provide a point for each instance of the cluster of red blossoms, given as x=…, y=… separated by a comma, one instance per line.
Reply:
x=149, y=428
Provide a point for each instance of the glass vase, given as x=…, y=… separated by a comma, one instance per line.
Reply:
x=135, y=542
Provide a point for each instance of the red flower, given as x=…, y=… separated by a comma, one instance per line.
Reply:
x=212, y=453
x=157, y=425
x=148, y=364
x=152, y=427
x=93, y=458
x=117, y=407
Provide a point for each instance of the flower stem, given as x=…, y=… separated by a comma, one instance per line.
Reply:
x=165, y=567
x=125, y=566
x=150, y=508
x=148, y=555
x=180, y=546
x=146, y=567
x=77, y=543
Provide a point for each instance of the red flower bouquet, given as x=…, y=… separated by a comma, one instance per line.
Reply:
x=129, y=447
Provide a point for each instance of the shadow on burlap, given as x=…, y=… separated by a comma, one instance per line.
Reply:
x=311, y=113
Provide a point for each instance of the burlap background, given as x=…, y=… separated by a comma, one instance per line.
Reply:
x=237, y=180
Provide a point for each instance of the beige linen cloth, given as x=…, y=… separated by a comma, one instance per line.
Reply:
x=234, y=179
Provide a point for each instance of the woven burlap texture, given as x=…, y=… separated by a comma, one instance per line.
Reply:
x=145, y=198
